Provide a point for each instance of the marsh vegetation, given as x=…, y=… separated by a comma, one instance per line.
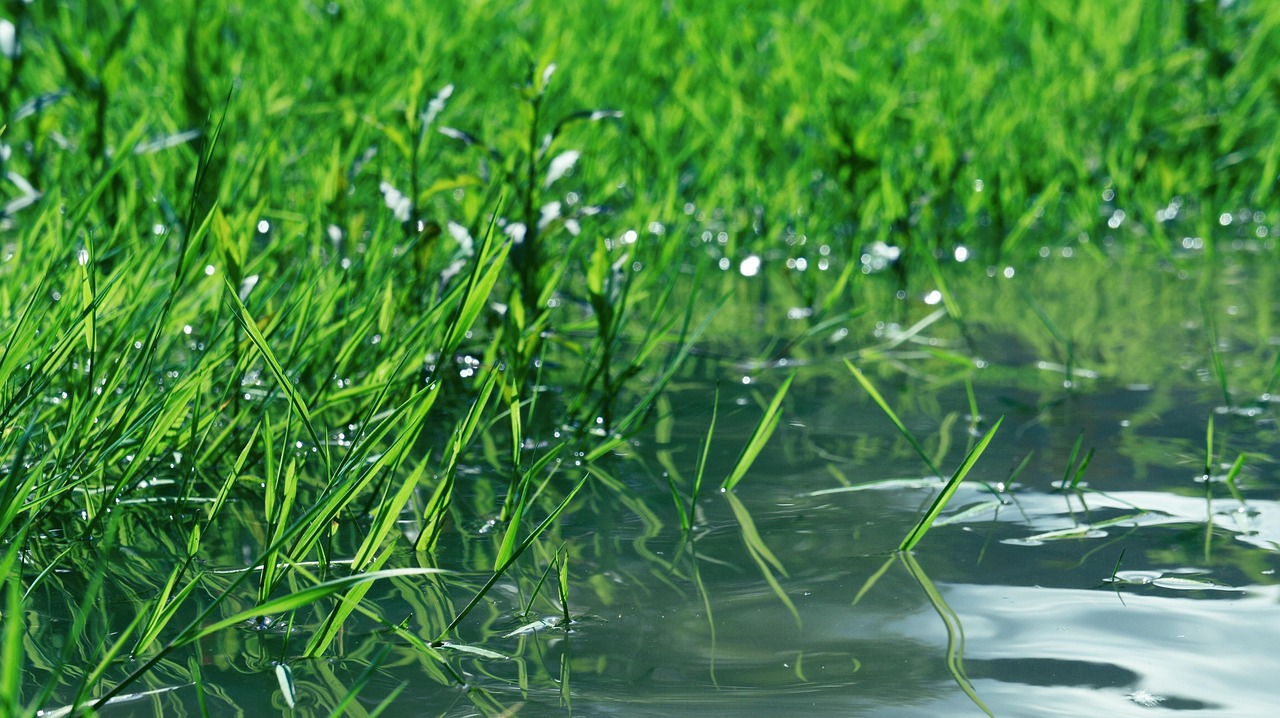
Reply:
x=381, y=358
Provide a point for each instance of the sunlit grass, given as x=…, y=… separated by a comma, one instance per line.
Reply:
x=292, y=293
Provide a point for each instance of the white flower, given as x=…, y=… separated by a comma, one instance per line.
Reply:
x=436, y=106
x=560, y=166
x=460, y=235
x=8, y=39
x=396, y=202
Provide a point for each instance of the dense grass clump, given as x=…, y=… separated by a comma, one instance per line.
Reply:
x=276, y=277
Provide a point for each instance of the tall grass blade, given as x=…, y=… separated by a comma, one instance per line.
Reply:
x=759, y=437
x=1234, y=473
x=701, y=468
x=884, y=406
x=11, y=649
x=250, y=327
x=948, y=491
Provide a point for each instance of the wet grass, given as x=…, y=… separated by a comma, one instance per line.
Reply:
x=288, y=312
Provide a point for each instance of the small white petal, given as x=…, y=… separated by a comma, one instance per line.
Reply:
x=560, y=165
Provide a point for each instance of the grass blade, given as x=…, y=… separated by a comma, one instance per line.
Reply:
x=250, y=327
x=759, y=437
x=948, y=491
x=884, y=406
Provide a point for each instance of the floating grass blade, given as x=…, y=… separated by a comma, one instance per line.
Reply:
x=948, y=491
x=759, y=437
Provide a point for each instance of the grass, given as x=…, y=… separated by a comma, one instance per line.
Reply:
x=272, y=292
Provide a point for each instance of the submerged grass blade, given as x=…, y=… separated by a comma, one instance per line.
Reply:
x=948, y=491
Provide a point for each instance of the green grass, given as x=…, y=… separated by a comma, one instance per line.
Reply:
x=261, y=294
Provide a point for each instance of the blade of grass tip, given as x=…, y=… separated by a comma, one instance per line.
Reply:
x=1208, y=448
x=701, y=469
x=759, y=437
x=884, y=406
x=1013, y=475
x=1084, y=464
x=1071, y=462
x=955, y=631
x=563, y=583
x=1232, y=474
x=948, y=491
x=1115, y=570
x=1115, y=580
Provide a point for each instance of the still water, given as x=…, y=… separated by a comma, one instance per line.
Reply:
x=1140, y=586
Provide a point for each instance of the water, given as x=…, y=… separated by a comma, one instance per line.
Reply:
x=1145, y=587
